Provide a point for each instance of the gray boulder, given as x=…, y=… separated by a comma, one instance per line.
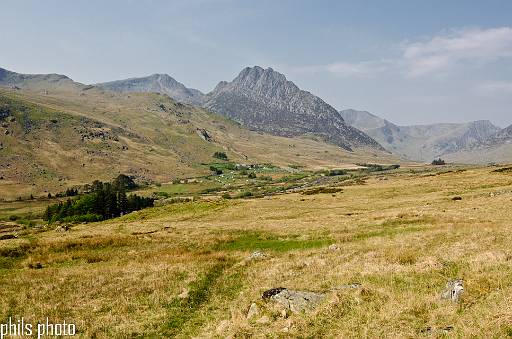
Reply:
x=295, y=301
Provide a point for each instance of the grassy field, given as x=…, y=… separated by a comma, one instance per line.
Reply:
x=181, y=270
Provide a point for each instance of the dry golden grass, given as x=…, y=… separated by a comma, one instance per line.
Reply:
x=181, y=270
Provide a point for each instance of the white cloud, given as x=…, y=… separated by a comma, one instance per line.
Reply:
x=438, y=55
x=445, y=52
x=347, y=69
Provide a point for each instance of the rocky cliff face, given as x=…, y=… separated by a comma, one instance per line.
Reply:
x=156, y=83
x=264, y=100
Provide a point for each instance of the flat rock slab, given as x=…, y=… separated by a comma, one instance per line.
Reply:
x=295, y=301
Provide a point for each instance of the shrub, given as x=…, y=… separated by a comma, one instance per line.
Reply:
x=13, y=217
x=336, y=172
x=220, y=155
x=438, y=162
x=252, y=175
x=244, y=194
x=215, y=170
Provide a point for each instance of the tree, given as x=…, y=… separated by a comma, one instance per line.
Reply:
x=104, y=201
x=122, y=201
x=124, y=182
x=220, y=155
x=438, y=162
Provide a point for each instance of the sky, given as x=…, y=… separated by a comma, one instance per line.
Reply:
x=411, y=62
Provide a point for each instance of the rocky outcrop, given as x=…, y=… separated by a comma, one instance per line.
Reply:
x=264, y=100
x=294, y=301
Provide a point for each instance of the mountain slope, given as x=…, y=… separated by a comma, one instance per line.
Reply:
x=156, y=83
x=362, y=120
x=423, y=142
x=264, y=100
x=36, y=81
x=496, y=148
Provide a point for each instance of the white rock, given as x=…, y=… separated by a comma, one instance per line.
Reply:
x=253, y=311
x=453, y=290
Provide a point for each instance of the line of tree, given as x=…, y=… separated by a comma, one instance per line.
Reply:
x=104, y=201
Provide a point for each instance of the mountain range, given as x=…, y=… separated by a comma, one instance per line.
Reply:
x=264, y=101
x=261, y=100
x=472, y=142
x=55, y=132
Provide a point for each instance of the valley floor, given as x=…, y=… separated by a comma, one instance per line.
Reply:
x=183, y=269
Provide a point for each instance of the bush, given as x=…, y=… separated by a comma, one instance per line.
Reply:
x=226, y=196
x=336, y=172
x=220, y=155
x=252, y=175
x=378, y=168
x=244, y=194
x=438, y=162
x=13, y=217
x=215, y=170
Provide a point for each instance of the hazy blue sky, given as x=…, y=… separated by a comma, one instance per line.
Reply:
x=408, y=61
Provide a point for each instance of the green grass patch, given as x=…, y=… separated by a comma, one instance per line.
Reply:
x=257, y=241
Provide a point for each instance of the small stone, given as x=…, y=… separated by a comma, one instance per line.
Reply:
x=333, y=247
x=263, y=320
x=253, y=311
x=257, y=255
x=183, y=294
x=453, y=290
x=63, y=228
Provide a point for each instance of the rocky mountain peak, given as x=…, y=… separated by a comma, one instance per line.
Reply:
x=264, y=100
x=156, y=83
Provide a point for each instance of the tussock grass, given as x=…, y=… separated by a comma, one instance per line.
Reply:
x=181, y=270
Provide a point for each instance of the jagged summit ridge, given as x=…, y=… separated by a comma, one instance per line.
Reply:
x=264, y=100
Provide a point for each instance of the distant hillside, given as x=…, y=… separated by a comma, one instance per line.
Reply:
x=56, y=134
x=36, y=81
x=497, y=148
x=264, y=100
x=362, y=120
x=156, y=83
x=424, y=142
